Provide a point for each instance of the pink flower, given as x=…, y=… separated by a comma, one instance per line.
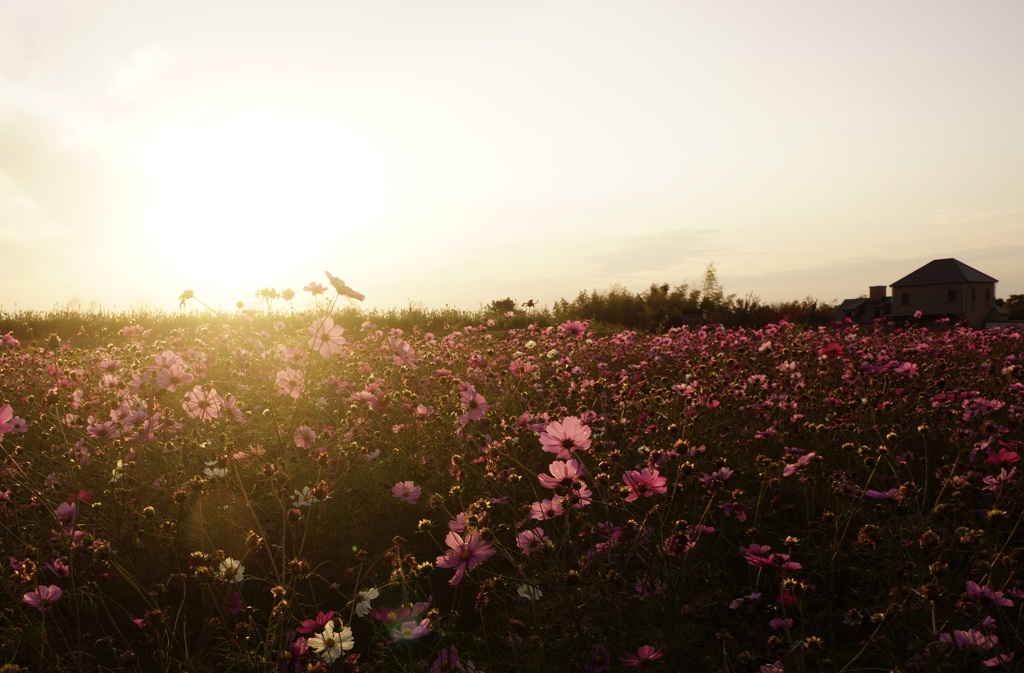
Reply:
x=41, y=598
x=986, y=594
x=304, y=437
x=315, y=288
x=474, y=404
x=565, y=437
x=793, y=468
x=531, y=540
x=464, y=554
x=411, y=630
x=600, y=660
x=562, y=473
x=290, y=382
x=405, y=355
x=344, y=290
x=547, y=509
x=645, y=483
x=327, y=339
x=645, y=654
x=169, y=378
x=202, y=404
x=406, y=491
x=574, y=327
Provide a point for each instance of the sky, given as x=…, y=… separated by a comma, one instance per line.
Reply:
x=452, y=153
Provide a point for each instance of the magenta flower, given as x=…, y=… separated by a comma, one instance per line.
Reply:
x=447, y=660
x=600, y=660
x=315, y=624
x=645, y=654
x=41, y=598
x=987, y=595
x=464, y=554
x=644, y=483
x=406, y=491
x=565, y=437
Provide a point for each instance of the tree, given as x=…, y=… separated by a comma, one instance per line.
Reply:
x=1015, y=305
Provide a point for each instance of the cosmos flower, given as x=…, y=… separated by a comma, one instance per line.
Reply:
x=41, y=598
x=565, y=437
x=231, y=570
x=464, y=554
x=332, y=641
x=645, y=654
x=327, y=337
x=344, y=290
x=645, y=483
x=406, y=491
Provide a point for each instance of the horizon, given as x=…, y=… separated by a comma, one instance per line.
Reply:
x=461, y=153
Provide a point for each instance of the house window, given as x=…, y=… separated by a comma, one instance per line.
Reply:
x=986, y=295
x=904, y=299
x=951, y=296
x=973, y=297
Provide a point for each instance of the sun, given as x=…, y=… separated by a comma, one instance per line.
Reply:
x=236, y=202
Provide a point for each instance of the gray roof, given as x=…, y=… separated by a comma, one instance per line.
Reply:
x=944, y=271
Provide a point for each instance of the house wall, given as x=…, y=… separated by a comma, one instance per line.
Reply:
x=969, y=300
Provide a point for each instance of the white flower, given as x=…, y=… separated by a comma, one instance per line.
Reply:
x=231, y=570
x=552, y=353
x=363, y=599
x=214, y=472
x=531, y=344
x=117, y=472
x=330, y=643
x=304, y=498
x=529, y=592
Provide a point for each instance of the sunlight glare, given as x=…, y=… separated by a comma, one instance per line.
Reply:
x=241, y=200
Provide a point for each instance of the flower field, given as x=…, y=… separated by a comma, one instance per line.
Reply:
x=299, y=496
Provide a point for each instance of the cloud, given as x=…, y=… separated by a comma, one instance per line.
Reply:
x=132, y=78
x=52, y=182
x=658, y=252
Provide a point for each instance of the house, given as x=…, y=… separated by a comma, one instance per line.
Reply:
x=942, y=288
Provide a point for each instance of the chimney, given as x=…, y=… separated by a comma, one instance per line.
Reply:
x=876, y=292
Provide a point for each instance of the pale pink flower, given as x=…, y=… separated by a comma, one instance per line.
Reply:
x=6, y=415
x=344, y=290
x=474, y=404
x=406, y=491
x=547, y=509
x=202, y=404
x=41, y=598
x=531, y=540
x=304, y=437
x=290, y=382
x=315, y=288
x=566, y=437
x=562, y=473
x=169, y=378
x=327, y=337
x=405, y=355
